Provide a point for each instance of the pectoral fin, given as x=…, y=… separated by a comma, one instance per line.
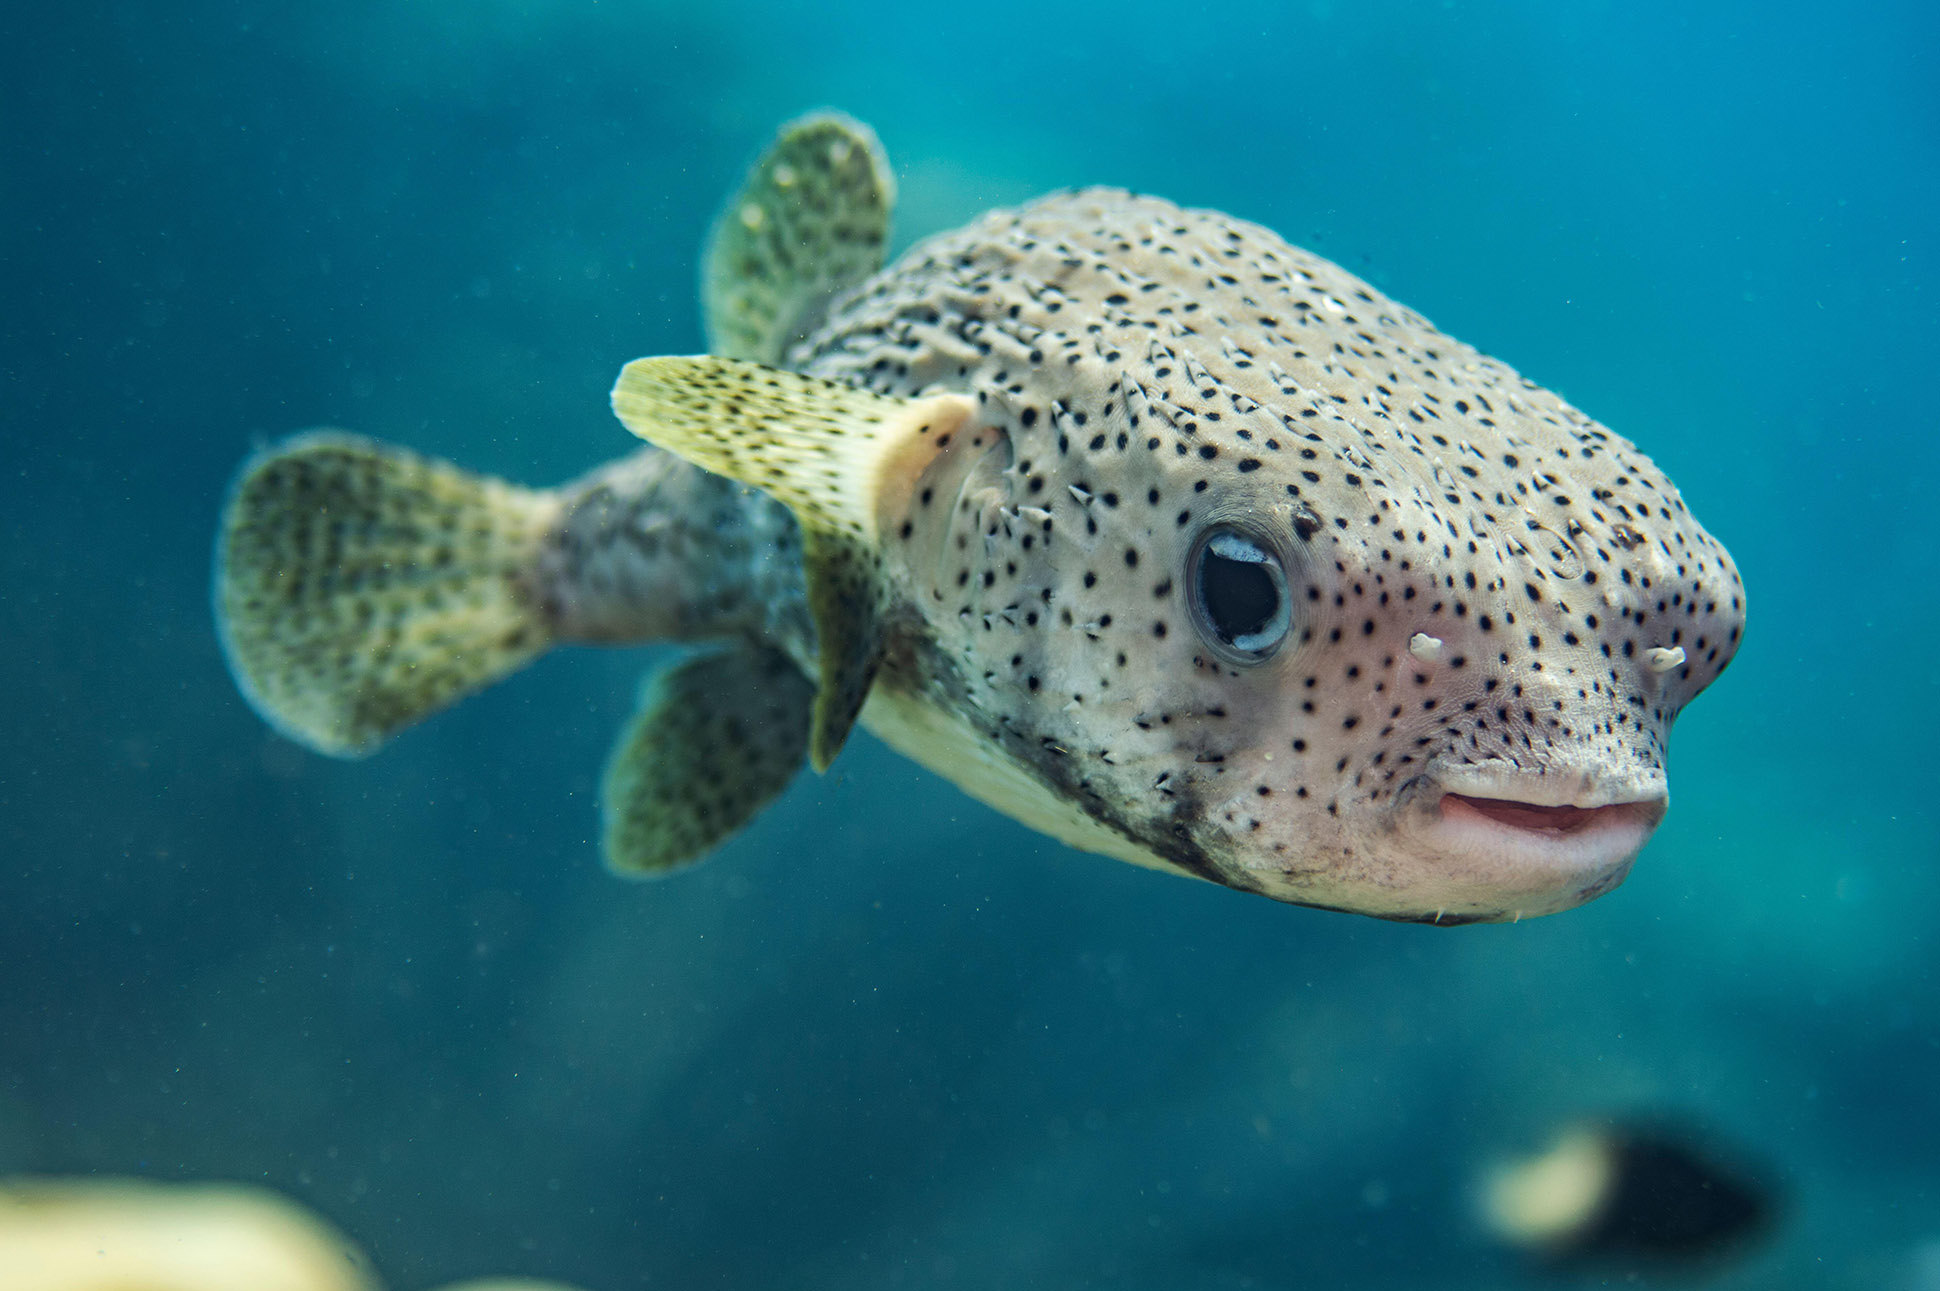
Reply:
x=716, y=739
x=841, y=458
x=811, y=220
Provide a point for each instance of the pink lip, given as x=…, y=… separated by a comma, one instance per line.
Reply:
x=1561, y=840
x=1552, y=822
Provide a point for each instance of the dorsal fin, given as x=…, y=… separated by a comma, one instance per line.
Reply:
x=841, y=458
x=811, y=221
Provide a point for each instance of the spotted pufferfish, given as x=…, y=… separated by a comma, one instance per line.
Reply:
x=1162, y=536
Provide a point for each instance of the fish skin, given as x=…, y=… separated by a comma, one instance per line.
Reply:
x=650, y=548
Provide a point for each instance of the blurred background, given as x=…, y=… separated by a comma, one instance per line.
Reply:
x=887, y=1037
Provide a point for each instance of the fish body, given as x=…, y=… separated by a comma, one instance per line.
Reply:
x=1163, y=536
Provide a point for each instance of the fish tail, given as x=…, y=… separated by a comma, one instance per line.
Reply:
x=360, y=587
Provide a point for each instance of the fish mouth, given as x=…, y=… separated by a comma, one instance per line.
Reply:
x=1494, y=846
x=1564, y=820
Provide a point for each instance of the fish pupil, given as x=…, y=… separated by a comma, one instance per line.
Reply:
x=1239, y=596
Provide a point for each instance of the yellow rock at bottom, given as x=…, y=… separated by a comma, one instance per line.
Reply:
x=132, y=1235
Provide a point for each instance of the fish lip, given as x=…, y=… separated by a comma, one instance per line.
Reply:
x=1497, y=842
x=1520, y=822
x=1553, y=820
x=1507, y=783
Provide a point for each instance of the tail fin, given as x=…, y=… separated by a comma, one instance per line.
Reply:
x=359, y=588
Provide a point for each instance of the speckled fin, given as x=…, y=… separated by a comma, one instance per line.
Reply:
x=811, y=220
x=716, y=739
x=841, y=458
x=359, y=587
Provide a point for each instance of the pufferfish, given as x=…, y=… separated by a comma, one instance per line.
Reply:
x=1160, y=535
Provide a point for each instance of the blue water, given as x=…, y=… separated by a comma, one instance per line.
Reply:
x=887, y=1037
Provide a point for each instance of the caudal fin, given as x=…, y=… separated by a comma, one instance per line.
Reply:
x=359, y=587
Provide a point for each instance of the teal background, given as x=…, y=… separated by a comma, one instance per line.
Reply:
x=887, y=1037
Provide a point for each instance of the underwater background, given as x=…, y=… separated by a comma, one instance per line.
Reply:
x=887, y=1037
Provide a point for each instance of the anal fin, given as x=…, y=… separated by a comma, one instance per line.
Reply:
x=716, y=739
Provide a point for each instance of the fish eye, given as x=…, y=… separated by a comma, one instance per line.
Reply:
x=1237, y=591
